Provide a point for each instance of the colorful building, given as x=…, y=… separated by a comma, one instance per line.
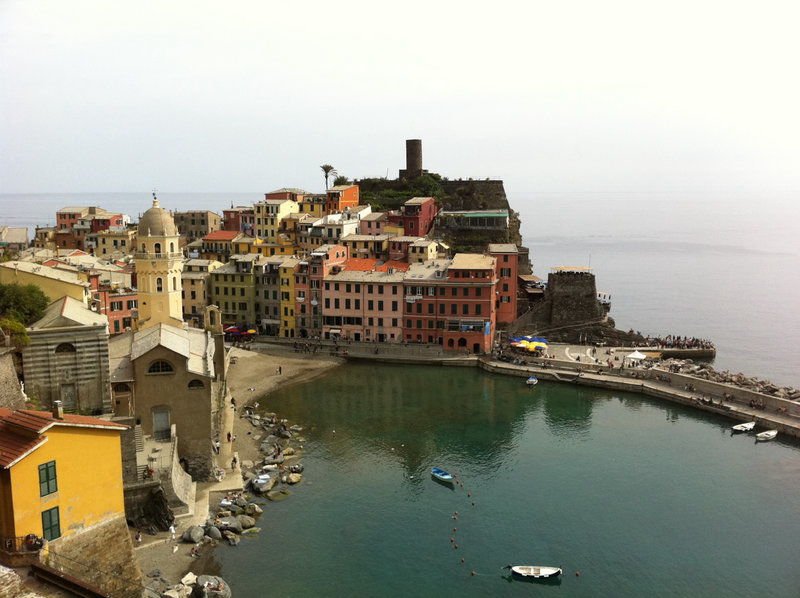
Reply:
x=48, y=488
x=506, y=269
x=363, y=300
x=269, y=214
x=309, y=276
x=53, y=282
x=374, y=223
x=287, y=294
x=241, y=219
x=196, y=224
x=111, y=241
x=195, y=295
x=416, y=216
x=233, y=289
x=451, y=302
x=218, y=245
x=367, y=246
x=341, y=197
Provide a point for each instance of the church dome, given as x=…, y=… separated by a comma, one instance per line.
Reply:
x=157, y=222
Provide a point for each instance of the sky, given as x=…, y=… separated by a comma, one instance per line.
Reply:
x=695, y=97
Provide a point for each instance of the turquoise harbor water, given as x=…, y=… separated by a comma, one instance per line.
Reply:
x=642, y=498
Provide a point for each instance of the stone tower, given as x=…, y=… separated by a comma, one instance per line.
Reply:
x=413, y=167
x=158, y=269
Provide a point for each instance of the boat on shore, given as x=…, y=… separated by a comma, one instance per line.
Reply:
x=765, y=436
x=745, y=427
x=534, y=571
x=442, y=475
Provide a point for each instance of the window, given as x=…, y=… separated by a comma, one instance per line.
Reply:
x=357, y=304
x=430, y=308
x=159, y=284
x=380, y=305
x=47, y=479
x=65, y=348
x=51, y=525
x=505, y=272
x=394, y=305
x=465, y=309
x=242, y=306
x=477, y=309
x=466, y=291
x=160, y=367
x=196, y=384
x=370, y=305
x=116, y=325
x=116, y=306
x=505, y=287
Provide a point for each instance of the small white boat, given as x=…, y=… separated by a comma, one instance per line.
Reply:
x=532, y=381
x=534, y=571
x=768, y=435
x=442, y=475
x=746, y=427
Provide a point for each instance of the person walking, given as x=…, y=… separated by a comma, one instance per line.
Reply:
x=216, y=446
x=172, y=530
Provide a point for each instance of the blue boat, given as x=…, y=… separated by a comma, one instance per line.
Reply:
x=532, y=381
x=442, y=475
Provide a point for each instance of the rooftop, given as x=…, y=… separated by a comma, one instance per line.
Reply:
x=502, y=248
x=222, y=235
x=45, y=271
x=472, y=261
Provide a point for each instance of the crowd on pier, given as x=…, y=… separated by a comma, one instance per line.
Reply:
x=675, y=342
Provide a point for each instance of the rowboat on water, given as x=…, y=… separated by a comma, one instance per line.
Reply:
x=746, y=427
x=534, y=571
x=768, y=435
x=532, y=381
x=442, y=475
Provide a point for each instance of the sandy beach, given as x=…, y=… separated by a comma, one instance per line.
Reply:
x=248, y=370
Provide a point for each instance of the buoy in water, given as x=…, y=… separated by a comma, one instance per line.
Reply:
x=456, y=546
x=455, y=529
x=473, y=572
x=452, y=539
x=462, y=560
x=469, y=493
x=577, y=573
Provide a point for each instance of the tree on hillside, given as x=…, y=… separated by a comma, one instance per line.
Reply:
x=329, y=171
x=16, y=330
x=23, y=303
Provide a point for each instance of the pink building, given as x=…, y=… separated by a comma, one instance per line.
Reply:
x=309, y=276
x=364, y=301
x=374, y=223
x=398, y=247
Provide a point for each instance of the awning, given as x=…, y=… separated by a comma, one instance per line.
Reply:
x=336, y=331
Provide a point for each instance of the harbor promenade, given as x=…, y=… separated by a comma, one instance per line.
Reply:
x=582, y=365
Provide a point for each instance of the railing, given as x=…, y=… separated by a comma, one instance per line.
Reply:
x=146, y=255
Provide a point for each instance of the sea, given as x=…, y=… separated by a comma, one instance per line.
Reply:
x=631, y=496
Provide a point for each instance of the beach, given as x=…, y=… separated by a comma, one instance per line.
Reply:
x=252, y=376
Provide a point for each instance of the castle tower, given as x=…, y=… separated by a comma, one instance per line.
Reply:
x=158, y=269
x=413, y=167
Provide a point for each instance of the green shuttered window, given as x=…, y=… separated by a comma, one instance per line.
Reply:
x=47, y=479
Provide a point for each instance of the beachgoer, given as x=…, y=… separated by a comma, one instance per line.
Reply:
x=216, y=446
x=138, y=537
x=172, y=531
x=233, y=463
x=229, y=436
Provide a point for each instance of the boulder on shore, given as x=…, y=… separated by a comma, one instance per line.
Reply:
x=231, y=524
x=193, y=534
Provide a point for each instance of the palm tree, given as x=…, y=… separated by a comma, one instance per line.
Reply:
x=329, y=172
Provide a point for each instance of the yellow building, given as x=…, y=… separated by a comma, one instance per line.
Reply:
x=287, y=269
x=111, y=241
x=269, y=214
x=60, y=474
x=53, y=282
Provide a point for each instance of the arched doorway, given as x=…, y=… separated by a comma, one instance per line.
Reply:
x=462, y=342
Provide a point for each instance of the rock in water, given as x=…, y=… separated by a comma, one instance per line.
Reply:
x=246, y=521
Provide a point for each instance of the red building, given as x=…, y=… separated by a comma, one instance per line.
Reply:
x=309, y=276
x=341, y=197
x=507, y=257
x=451, y=302
x=416, y=216
x=240, y=219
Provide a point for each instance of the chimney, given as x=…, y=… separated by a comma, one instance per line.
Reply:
x=58, y=410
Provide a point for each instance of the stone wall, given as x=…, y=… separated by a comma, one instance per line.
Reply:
x=101, y=555
x=11, y=396
x=573, y=297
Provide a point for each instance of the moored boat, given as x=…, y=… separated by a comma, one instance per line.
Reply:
x=442, y=475
x=534, y=571
x=768, y=435
x=532, y=381
x=745, y=427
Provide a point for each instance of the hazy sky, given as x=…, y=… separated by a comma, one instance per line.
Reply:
x=683, y=96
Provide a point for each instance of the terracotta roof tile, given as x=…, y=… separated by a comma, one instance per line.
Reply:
x=39, y=421
x=15, y=445
x=221, y=235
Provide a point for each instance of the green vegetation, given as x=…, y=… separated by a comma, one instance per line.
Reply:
x=341, y=180
x=24, y=303
x=20, y=306
x=391, y=195
x=16, y=330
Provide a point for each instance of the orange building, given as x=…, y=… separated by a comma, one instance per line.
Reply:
x=341, y=197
